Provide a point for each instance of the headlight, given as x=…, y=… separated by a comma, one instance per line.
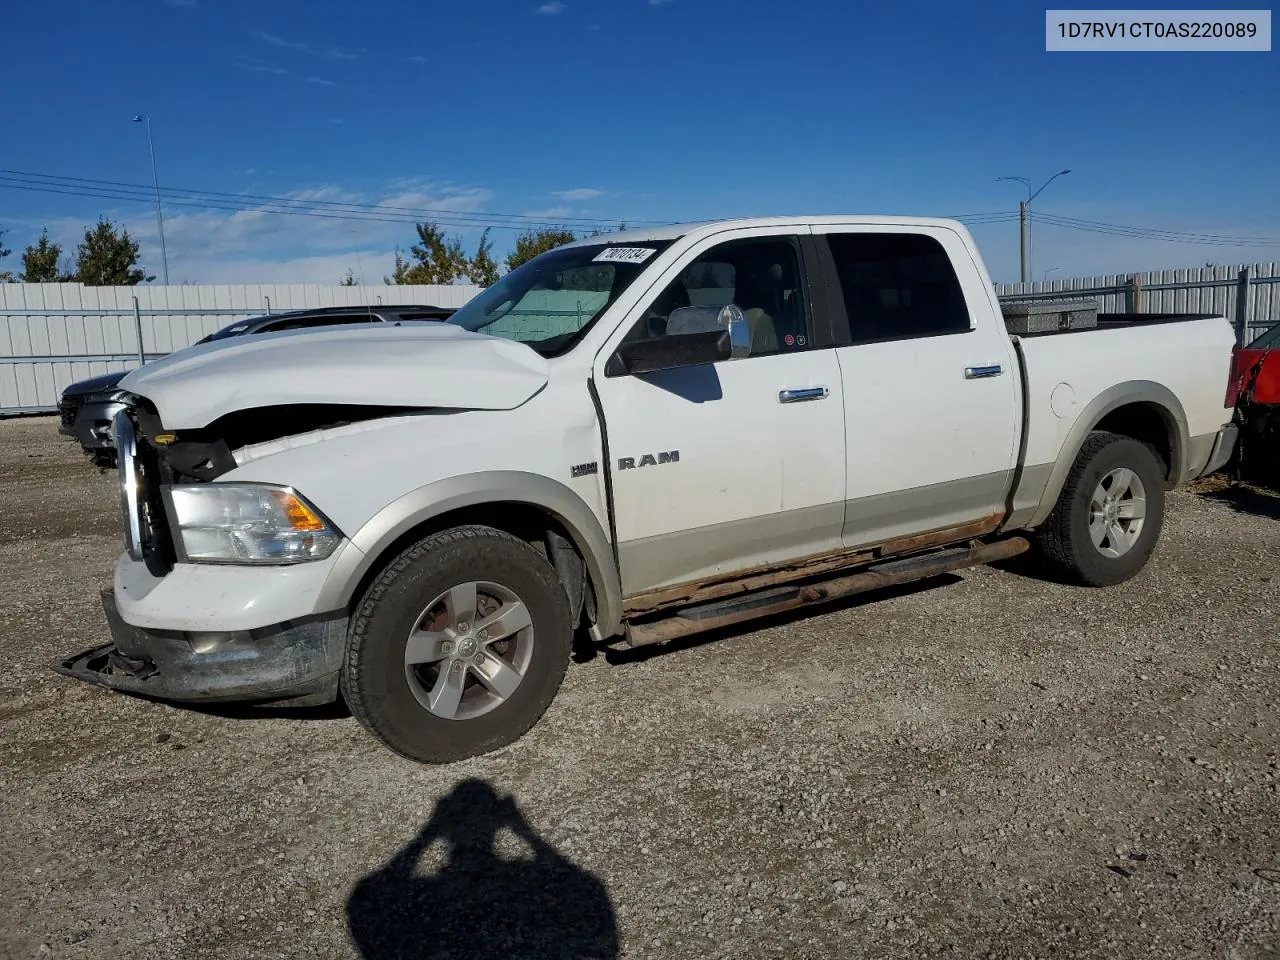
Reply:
x=248, y=523
x=114, y=397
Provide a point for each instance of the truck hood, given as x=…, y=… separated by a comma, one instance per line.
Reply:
x=436, y=365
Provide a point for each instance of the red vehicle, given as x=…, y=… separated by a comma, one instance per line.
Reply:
x=1255, y=382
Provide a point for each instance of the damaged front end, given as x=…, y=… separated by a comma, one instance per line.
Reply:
x=296, y=664
x=296, y=661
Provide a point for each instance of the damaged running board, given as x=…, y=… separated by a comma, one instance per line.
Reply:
x=723, y=613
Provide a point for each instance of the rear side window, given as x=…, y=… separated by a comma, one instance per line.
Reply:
x=897, y=285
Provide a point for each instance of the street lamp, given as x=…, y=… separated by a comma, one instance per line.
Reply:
x=1024, y=219
x=1049, y=270
x=164, y=256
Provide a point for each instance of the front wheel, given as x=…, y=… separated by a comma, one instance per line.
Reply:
x=459, y=646
x=1109, y=515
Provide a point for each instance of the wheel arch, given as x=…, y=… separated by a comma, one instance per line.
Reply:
x=1131, y=409
x=502, y=499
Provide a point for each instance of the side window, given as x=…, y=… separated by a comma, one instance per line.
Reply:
x=324, y=320
x=897, y=285
x=761, y=276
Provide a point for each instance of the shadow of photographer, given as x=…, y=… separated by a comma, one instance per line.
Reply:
x=481, y=904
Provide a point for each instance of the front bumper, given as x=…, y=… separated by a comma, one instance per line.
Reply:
x=296, y=662
x=92, y=425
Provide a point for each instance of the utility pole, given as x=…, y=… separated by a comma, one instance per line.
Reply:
x=1022, y=240
x=164, y=256
x=1024, y=219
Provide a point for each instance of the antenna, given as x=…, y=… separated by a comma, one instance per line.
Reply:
x=360, y=267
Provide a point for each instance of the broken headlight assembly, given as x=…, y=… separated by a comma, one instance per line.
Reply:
x=250, y=523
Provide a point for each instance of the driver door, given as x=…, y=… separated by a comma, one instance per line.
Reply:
x=718, y=466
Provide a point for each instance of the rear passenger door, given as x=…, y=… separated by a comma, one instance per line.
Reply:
x=931, y=388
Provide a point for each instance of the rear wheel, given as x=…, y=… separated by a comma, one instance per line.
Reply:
x=459, y=646
x=1109, y=515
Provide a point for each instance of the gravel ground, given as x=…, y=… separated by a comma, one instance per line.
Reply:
x=990, y=766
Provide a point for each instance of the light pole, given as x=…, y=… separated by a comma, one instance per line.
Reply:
x=1049, y=270
x=164, y=256
x=1024, y=219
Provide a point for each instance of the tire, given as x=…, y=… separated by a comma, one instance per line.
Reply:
x=394, y=699
x=1068, y=538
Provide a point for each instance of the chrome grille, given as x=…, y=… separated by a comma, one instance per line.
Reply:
x=133, y=494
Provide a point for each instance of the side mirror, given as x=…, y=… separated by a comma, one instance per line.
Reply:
x=694, y=335
x=738, y=331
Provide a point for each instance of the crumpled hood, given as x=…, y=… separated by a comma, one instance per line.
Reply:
x=397, y=365
x=105, y=383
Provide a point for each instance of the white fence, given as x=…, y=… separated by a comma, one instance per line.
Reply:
x=1246, y=294
x=53, y=334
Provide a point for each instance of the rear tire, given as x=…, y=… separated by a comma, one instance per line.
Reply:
x=1108, y=517
x=459, y=646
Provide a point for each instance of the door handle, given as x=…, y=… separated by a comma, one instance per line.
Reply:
x=986, y=370
x=800, y=394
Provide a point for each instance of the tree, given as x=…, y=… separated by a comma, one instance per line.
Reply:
x=5, y=275
x=40, y=262
x=529, y=245
x=349, y=280
x=108, y=258
x=436, y=258
x=482, y=269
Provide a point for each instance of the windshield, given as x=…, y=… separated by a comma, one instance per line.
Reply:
x=1269, y=340
x=551, y=301
x=230, y=330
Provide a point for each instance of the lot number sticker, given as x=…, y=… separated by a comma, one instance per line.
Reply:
x=625, y=254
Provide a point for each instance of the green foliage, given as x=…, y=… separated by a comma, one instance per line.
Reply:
x=482, y=269
x=5, y=275
x=107, y=258
x=40, y=262
x=436, y=258
x=535, y=242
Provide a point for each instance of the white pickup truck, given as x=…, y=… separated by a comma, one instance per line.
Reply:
x=633, y=437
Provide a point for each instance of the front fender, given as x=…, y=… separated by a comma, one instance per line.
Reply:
x=453, y=493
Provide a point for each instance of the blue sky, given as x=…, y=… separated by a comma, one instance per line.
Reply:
x=636, y=109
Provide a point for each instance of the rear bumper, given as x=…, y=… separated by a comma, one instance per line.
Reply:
x=296, y=662
x=1224, y=445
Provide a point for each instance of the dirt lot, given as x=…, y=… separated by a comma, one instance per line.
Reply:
x=992, y=766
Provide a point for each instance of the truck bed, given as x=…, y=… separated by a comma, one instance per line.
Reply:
x=1070, y=379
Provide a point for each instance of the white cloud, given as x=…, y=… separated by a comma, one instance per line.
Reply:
x=553, y=8
x=256, y=245
x=549, y=213
x=254, y=65
x=321, y=82
x=659, y=3
x=417, y=58
x=327, y=53
x=581, y=193
x=185, y=4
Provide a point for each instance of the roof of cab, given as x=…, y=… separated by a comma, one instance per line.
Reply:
x=676, y=230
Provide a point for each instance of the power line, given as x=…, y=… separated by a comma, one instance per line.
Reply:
x=333, y=210
x=1155, y=233
x=447, y=221
x=244, y=199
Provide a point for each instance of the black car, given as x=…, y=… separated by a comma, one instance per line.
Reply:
x=88, y=406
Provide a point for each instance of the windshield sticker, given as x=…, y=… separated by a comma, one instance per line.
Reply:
x=625, y=254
